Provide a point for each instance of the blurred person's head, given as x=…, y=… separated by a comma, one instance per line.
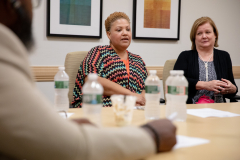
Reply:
x=204, y=33
x=118, y=30
x=17, y=16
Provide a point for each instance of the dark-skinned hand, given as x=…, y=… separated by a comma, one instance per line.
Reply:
x=166, y=132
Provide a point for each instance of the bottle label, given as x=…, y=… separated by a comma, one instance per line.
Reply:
x=152, y=89
x=182, y=90
x=171, y=89
x=92, y=98
x=177, y=90
x=61, y=84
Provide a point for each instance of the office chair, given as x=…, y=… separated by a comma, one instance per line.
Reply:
x=169, y=64
x=72, y=63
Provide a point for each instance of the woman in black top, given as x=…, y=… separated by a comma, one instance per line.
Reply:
x=204, y=58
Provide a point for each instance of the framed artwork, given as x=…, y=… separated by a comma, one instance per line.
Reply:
x=156, y=19
x=74, y=18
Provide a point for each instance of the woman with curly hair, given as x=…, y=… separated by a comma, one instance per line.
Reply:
x=119, y=71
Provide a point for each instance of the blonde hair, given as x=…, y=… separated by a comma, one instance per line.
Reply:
x=199, y=22
x=113, y=17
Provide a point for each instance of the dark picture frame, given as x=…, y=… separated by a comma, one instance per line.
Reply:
x=82, y=19
x=160, y=23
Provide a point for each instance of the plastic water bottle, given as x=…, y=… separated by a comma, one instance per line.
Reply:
x=92, y=99
x=168, y=93
x=180, y=95
x=152, y=95
x=61, y=81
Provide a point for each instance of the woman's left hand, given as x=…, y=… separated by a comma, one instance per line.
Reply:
x=229, y=88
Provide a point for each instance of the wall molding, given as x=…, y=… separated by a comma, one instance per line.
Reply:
x=44, y=73
x=47, y=73
x=236, y=72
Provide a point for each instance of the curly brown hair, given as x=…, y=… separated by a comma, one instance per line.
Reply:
x=113, y=17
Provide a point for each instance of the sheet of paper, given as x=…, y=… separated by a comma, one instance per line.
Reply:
x=185, y=141
x=209, y=112
x=139, y=107
x=64, y=115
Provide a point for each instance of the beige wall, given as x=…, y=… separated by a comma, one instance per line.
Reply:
x=225, y=13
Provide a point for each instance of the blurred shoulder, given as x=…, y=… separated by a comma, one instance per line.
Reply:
x=221, y=52
x=188, y=54
x=100, y=47
x=135, y=57
x=100, y=51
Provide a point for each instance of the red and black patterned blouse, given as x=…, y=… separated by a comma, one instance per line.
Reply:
x=104, y=61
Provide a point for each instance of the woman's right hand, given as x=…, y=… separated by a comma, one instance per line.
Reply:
x=215, y=85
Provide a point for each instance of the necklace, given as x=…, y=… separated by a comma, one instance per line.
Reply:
x=206, y=65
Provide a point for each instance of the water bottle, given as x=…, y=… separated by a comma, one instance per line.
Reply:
x=152, y=95
x=179, y=96
x=168, y=92
x=218, y=98
x=92, y=99
x=61, y=81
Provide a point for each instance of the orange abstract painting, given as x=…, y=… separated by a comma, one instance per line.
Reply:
x=157, y=13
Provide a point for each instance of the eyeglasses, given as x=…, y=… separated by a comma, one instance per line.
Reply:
x=36, y=3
